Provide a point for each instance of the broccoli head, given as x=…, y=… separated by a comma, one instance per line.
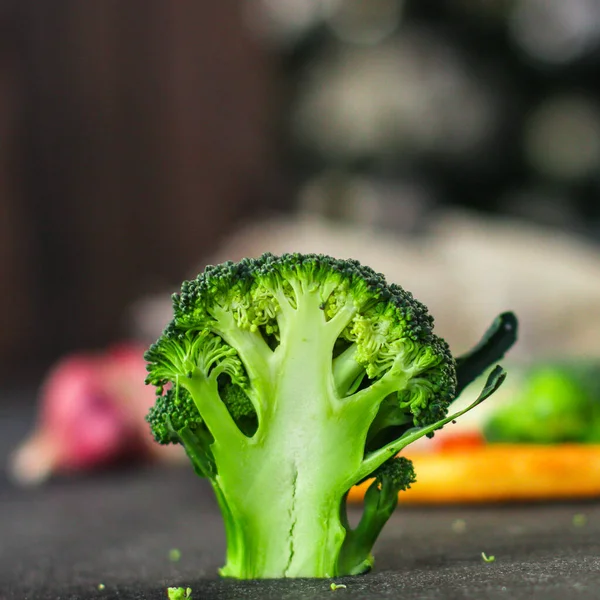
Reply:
x=290, y=379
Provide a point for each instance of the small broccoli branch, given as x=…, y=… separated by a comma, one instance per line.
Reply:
x=398, y=376
x=379, y=504
x=341, y=319
x=375, y=459
x=309, y=301
x=312, y=300
x=220, y=423
x=347, y=373
x=198, y=451
x=298, y=287
x=250, y=345
x=380, y=501
x=375, y=394
x=285, y=305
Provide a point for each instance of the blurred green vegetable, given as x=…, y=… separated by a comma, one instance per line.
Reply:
x=557, y=404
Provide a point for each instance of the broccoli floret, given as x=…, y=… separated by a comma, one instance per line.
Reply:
x=179, y=593
x=290, y=379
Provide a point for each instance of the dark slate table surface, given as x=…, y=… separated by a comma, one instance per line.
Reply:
x=116, y=529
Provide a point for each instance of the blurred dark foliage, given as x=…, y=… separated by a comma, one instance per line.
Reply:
x=535, y=65
x=133, y=136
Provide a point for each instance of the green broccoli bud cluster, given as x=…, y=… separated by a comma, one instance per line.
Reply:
x=173, y=411
x=397, y=473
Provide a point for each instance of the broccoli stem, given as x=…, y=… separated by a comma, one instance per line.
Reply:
x=379, y=504
x=300, y=470
x=198, y=451
x=233, y=532
x=298, y=536
x=303, y=533
x=313, y=453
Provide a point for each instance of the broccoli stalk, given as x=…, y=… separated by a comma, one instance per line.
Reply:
x=289, y=380
x=381, y=499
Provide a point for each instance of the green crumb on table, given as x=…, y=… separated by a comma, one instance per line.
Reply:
x=174, y=554
x=579, y=520
x=101, y=586
x=179, y=593
x=459, y=526
x=487, y=558
x=337, y=586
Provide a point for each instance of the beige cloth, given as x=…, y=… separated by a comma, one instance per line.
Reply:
x=467, y=269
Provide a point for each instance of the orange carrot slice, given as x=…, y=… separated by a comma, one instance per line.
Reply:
x=502, y=473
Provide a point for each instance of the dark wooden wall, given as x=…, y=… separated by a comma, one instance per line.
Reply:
x=132, y=136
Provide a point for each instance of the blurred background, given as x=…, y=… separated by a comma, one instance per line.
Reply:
x=453, y=145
